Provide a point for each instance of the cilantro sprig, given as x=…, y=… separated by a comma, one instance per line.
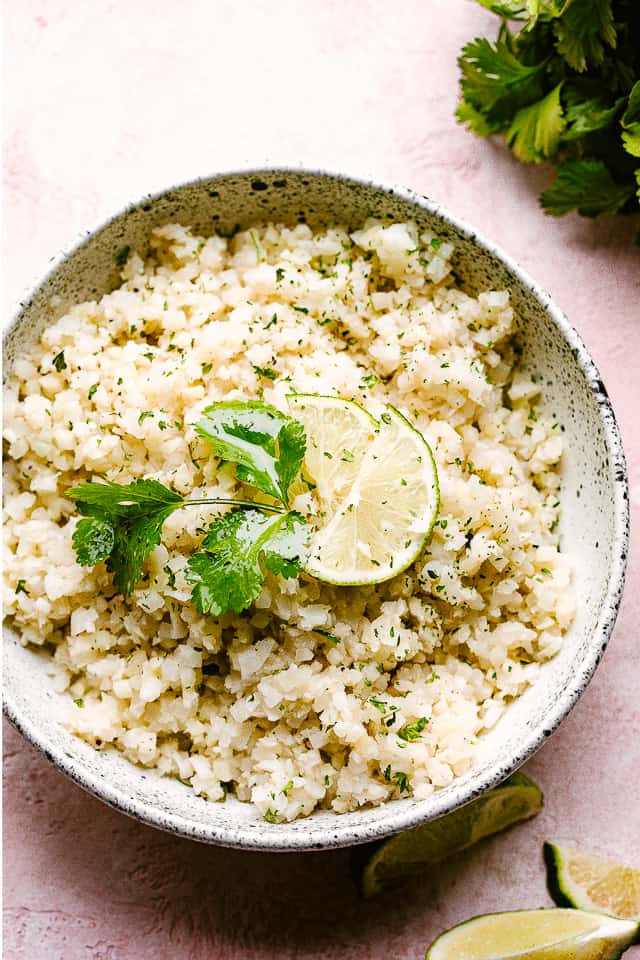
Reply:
x=565, y=88
x=122, y=523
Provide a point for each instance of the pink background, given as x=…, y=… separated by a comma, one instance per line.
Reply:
x=108, y=99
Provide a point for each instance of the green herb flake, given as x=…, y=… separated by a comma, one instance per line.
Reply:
x=206, y=368
x=79, y=702
x=92, y=390
x=59, y=362
x=412, y=731
x=270, y=816
x=267, y=372
x=402, y=781
x=121, y=255
x=21, y=587
x=380, y=705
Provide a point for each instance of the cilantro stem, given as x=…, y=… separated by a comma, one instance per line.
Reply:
x=254, y=504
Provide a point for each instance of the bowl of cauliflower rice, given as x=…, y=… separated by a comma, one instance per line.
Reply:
x=315, y=512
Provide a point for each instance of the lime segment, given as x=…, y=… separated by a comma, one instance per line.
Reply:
x=553, y=934
x=377, y=488
x=411, y=853
x=577, y=879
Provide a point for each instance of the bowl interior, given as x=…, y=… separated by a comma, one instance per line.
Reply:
x=593, y=522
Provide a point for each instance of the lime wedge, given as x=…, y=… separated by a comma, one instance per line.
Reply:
x=580, y=880
x=390, y=862
x=377, y=488
x=552, y=934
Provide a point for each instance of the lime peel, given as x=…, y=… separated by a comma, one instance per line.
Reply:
x=582, y=880
x=548, y=934
x=394, y=860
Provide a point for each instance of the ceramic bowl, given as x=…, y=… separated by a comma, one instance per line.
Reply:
x=594, y=524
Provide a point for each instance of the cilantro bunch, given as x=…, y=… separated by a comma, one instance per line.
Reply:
x=122, y=523
x=565, y=88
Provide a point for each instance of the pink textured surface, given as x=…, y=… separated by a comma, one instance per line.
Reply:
x=110, y=99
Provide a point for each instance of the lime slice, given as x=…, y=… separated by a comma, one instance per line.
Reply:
x=552, y=934
x=394, y=860
x=580, y=880
x=377, y=488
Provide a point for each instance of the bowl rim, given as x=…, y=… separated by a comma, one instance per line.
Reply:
x=281, y=837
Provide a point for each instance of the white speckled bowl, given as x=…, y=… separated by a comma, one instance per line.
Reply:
x=594, y=524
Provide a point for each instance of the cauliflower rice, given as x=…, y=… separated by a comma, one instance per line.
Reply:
x=296, y=703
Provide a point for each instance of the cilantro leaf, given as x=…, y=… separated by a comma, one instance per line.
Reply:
x=586, y=186
x=229, y=570
x=93, y=541
x=267, y=446
x=582, y=32
x=495, y=82
x=59, y=362
x=535, y=130
x=475, y=120
x=510, y=9
x=586, y=114
x=125, y=526
x=529, y=10
x=631, y=122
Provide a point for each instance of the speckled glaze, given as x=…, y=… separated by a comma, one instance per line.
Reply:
x=594, y=524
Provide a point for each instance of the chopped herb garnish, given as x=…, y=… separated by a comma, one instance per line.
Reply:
x=402, y=781
x=92, y=390
x=206, y=368
x=412, y=731
x=59, y=362
x=21, y=588
x=267, y=372
x=378, y=704
x=121, y=255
